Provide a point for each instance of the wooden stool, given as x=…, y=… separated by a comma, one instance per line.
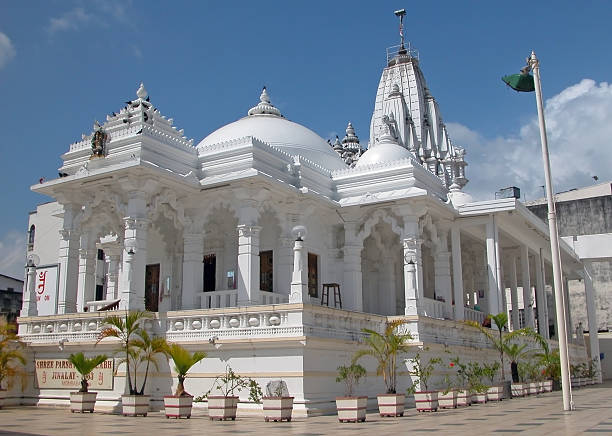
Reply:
x=325, y=294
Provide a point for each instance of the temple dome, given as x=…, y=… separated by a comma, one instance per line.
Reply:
x=383, y=152
x=265, y=123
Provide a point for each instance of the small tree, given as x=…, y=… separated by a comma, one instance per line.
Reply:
x=230, y=383
x=422, y=370
x=183, y=361
x=85, y=366
x=350, y=376
x=515, y=352
x=385, y=347
x=12, y=359
x=475, y=374
x=461, y=372
x=489, y=370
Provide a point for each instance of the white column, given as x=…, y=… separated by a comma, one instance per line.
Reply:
x=494, y=293
x=284, y=265
x=112, y=259
x=589, y=292
x=87, y=271
x=28, y=306
x=526, y=281
x=541, y=296
x=68, y=270
x=457, y=273
x=443, y=279
x=132, y=278
x=387, y=286
x=248, y=264
x=566, y=300
x=411, y=305
x=193, y=270
x=299, y=278
x=352, y=292
x=514, y=293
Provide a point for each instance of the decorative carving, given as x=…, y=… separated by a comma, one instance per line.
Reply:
x=98, y=141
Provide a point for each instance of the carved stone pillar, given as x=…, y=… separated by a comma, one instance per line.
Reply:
x=541, y=302
x=493, y=269
x=87, y=271
x=28, y=307
x=413, y=292
x=248, y=264
x=299, y=279
x=68, y=260
x=353, y=286
x=132, y=277
x=443, y=279
x=458, y=291
x=112, y=259
x=514, y=293
x=193, y=269
x=526, y=281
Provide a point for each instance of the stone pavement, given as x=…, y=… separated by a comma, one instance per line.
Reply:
x=541, y=415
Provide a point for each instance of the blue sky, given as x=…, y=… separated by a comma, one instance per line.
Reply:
x=64, y=64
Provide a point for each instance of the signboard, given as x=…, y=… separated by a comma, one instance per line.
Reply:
x=46, y=289
x=60, y=374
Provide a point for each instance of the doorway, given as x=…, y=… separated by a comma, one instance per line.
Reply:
x=152, y=287
x=210, y=272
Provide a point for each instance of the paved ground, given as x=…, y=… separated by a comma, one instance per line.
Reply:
x=541, y=415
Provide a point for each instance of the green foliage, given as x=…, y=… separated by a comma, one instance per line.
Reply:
x=85, y=366
x=135, y=345
x=229, y=383
x=475, y=374
x=385, y=348
x=12, y=359
x=183, y=361
x=461, y=372
x=529, y=371
x=350, y=376
x=489, y=370
x=422, y=370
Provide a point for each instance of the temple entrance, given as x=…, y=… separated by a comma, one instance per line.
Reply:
x=152, y=287
x=210, y=272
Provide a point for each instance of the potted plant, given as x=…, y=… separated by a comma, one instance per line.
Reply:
x=277, y=404
x=83, y=400
x=385, y=347
x=12, y=359
x=425, y=400
x=550, y=362
x=515, y=352
x=464, y=395
x=179, y=405
x=447, y=398
x=351, y=408
x=137, y=348
x=224, y=406
x=494, y=392
x=478, y=389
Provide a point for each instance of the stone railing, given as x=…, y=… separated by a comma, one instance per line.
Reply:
x=474, y=315
x=272, y=298
x=219, y=299
x=435, y=309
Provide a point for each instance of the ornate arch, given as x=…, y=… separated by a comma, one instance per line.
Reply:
x=377, y=216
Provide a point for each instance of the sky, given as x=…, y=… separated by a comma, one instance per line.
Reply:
x=64, y=64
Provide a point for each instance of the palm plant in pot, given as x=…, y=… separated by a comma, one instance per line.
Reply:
x=179, y=405
x=351, y=408
x=83, y=400
x=494, y=392
x=385, y=347
x=422, y=370
x=277, y=403
x=223, y=407
x=136, y=348
x=12, y=359
x=515, y=352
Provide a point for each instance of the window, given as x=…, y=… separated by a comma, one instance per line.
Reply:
x=100, y=254
x=99, y=292
x=210, y=272
x=31, y=235
x=313, y=275
x=266, y=268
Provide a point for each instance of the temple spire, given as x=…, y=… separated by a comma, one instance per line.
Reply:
x=401, y=14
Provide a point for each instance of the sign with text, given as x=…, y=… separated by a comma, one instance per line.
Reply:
x=46, y=289
x=60, y=374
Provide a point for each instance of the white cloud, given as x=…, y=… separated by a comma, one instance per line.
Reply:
x=12, y=254
x=579, y=134
x=7, y=50
x=71, y=20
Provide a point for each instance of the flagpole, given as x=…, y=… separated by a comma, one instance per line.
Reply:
x=554, y=242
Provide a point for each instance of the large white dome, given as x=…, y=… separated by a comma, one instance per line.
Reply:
x=265, y=123
x=383, y=152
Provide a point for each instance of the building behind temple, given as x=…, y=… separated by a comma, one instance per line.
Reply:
x=232, y=242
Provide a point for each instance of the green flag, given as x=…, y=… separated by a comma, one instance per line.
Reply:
x=522, y=82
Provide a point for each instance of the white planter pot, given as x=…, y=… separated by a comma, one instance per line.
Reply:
x=547, y=385
x=532, y=388
x=540, y=387
x=426, y=401
x=82, y=401
x=479, y=398
x=518, y=390
x=222, y=408
x=351, y=409
x=178, y=406
x=464, y=398
x=495, y=393
x=391, y=404
x=134, y=405
x=277, y=408
x=447, y=400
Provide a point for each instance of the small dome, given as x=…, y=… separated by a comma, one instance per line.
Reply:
x=386, y=151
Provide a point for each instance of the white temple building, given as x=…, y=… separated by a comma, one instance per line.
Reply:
x=232, y=240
